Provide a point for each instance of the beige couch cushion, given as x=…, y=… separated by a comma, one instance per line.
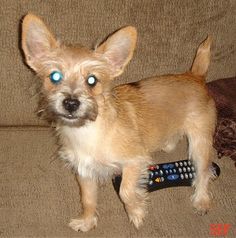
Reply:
x=38, y=196
x=169, y=33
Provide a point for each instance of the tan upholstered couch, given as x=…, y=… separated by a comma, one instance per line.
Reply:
x=38, y=195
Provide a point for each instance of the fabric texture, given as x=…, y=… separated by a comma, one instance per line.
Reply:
x=224, y=94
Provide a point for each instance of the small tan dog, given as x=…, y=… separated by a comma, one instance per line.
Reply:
x=106, y=130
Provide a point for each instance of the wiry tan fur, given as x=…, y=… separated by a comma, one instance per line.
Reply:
x=117, y=129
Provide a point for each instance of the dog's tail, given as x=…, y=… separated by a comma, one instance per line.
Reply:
x=202, y=58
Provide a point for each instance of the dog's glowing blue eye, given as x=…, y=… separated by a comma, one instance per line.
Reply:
x=91, y=80
x=56, y=77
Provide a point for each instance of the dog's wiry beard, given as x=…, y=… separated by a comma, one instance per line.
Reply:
x=87, y=111
x=50, y=109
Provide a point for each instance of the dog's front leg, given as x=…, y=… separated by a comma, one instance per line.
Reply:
x=88, y=220
x=133, y=192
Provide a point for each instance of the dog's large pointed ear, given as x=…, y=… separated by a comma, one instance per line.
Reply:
x=37, y=40
x=118, y=48
x=202, y=59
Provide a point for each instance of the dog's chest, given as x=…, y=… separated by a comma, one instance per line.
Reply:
x=86, y=151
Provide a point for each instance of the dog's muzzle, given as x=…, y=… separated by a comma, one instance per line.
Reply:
x=71, y=105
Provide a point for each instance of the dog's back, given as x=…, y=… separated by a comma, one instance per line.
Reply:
x=165, y=107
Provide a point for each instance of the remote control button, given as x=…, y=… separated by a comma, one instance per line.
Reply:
x=157, y=166
x=185, y=163
x=158, y=180
x=181, y=164
x=194, y=174
x=170, y=171
x=168, y=166
x=192, y=168
x=186, y=176
x=166, y=171
x=174, y=170
x=176, y=164
x=181, y=176
x=190, y=175
x=152, y=168
x=189, y=162
x=151, y=174
x=161, y=172
x=156, y=173
x=162, y=179
x=184, y=169
x=150, y=182
x=173, y=177
x=180, y=170
x=188, y=169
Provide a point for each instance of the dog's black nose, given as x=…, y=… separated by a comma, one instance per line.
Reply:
x=70, y=104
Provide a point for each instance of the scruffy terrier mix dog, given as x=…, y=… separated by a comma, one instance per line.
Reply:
x=106, y=130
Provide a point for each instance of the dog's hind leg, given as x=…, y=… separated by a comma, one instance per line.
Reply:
x=200, y=136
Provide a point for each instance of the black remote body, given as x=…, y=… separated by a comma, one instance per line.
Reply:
x=173, y=174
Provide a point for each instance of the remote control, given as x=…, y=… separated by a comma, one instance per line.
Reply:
x=178, y=173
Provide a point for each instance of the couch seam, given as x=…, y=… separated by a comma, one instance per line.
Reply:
x=25, y=128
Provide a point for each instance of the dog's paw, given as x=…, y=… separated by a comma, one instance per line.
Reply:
x=136, y=216
x=83, y=224
x=201, y=204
